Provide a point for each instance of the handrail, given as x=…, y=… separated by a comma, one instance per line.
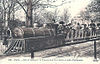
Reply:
x=79, y=34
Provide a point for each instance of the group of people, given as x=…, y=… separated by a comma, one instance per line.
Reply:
x=81, y=29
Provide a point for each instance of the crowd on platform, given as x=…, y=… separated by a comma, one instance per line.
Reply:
x=85, y=29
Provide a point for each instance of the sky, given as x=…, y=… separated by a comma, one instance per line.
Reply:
x=74, y=7
x=77, y=6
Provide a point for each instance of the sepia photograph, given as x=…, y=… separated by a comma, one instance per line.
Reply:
x=49, y=31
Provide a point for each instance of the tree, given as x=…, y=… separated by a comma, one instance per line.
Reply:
x=31, y=5
x=92, y=12
x=8, y=10
x=65, y=16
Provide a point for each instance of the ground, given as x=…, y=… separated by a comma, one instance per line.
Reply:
x=78, y=50
x=83, y=50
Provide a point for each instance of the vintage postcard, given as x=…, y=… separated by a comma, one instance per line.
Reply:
x=49, y=31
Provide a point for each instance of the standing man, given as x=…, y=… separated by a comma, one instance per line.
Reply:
x=93, y=28
x=78, y=28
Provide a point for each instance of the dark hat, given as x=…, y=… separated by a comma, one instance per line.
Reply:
x=61, y=22
x=92, y=21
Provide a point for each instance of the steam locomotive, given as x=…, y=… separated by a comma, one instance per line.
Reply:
x=38, y=38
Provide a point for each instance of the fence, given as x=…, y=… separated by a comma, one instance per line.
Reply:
x=80, y=34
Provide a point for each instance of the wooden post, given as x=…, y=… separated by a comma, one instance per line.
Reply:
x=32, y=52
x=95, y=52
x=72, y=34
x=0, y=33
x=82, y=33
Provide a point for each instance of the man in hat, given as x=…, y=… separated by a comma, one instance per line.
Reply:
x=93, y=28
x=61, y=27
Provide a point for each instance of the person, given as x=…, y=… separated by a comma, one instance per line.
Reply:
x=35, y=25
x=98, y=25
x=53, y=20
x=61, y=27
x=93, y=28
x=5, y=42
x=78, y=28
x=84, y=30
x=72, y=30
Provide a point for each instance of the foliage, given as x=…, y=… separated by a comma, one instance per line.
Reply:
x=92, y=12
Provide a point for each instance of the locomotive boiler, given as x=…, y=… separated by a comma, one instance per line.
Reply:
x=32, y=32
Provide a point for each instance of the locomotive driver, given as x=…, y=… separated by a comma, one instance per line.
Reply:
x=61, y=27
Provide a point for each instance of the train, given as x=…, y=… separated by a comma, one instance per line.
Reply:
x=26, y=39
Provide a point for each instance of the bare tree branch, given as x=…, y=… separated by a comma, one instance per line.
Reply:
x=21, y=6
x=4, y=5
x=35, y=2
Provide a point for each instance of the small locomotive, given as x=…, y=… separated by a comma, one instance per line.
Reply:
x=39, y=38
